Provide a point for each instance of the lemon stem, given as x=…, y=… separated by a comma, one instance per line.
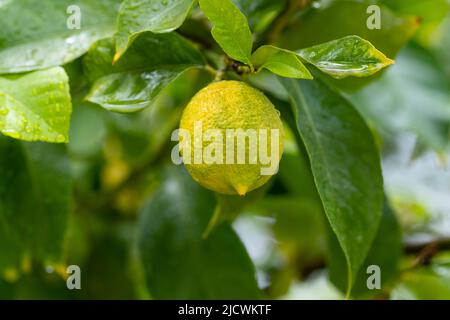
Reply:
x=212, y=222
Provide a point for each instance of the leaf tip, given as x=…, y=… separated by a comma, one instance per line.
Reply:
x=117, y=56
x=389, y=62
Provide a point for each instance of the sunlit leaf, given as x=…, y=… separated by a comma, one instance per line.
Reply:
x=230, y=28
x=36, y=106
x=282, y=62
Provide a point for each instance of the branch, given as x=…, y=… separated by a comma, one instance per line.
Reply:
x=283, y=20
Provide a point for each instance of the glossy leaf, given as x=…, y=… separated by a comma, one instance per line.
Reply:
x=170, y=238
x=346, y=170
x=137, y=16
x=230, y=28
x=415, y=94
x=34, y=206
x=36, y=106
x=282, y=62
x=338, y=19
x=385, y=253
x=349, y=56
x=150, y=64
x=37, y=34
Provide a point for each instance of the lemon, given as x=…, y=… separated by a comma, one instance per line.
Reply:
x=240, y=129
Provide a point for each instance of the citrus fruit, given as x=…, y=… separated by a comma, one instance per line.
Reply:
x=233, y=138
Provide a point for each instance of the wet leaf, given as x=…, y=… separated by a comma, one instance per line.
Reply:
x=347, y=57
x=36, y=106
x=347, y=171
x=150, y=65
x=137, y=16
x=37, y=34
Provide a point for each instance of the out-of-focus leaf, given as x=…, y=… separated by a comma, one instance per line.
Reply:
x=349, y=56
x=87, y=130
x=34, y=206
x=230, y=28
x=414, y=96
x=36, y=106
x=298, y=227
x=347, y=171
x=37, y=34
x=427, y=283
x=150, y=64
x=337, y=19
x=268, y=82
x=170, y=240
x=418, y=189
x=431, y=13
x=261, y=13
x=137, y=16
x=282, y=62
x=385, y=253
x=113, y=251
x=441, y=45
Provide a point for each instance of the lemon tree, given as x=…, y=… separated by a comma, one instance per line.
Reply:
x=217, y=149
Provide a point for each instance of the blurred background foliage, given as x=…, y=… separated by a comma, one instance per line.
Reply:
x=124, y=230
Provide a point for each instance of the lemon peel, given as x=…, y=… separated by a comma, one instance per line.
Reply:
x=235, y=105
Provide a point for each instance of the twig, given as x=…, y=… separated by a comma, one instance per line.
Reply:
x=283, y=20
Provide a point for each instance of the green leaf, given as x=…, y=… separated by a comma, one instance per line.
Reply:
x=178, y=264
x=282, y=62
x=345, y=164
x=35, y=33
x=349, y=56
x=36, y=106
x=137, y=16
x=34, y=201
x=152, y=63
x=339, y=19
x=431, y=13
x=261, y=13
x=415, y=94
x=231, y=30
x=426, y=283
x=385, y=253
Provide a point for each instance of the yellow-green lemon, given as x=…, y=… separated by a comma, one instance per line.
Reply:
x=231, y=138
